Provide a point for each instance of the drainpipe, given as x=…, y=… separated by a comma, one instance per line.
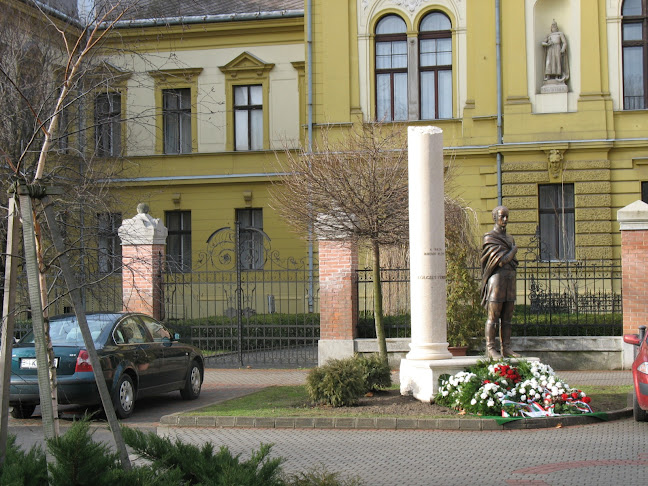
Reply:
x=498, y=57
x=309, y=49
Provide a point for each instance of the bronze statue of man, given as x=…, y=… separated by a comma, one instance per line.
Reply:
x=498, y=264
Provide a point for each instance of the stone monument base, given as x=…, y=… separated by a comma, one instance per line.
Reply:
x=420, y=378
x=554, y=86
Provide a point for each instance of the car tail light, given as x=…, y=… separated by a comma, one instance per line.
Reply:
x=83, y=362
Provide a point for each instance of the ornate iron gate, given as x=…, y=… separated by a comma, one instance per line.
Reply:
x=245, y=306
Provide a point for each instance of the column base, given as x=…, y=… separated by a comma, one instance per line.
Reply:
x=429, y=351
x=420, y=378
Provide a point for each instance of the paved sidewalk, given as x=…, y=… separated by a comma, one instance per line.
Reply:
x=608, y=453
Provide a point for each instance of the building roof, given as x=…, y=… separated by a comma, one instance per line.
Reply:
x=174, y=9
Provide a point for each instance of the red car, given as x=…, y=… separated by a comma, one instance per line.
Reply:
x=640, y=374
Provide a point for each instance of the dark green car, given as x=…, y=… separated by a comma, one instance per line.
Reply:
x=139, y=357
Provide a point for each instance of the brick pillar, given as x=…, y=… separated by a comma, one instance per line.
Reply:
x=143, y=249
x=338, y=299
x=633, y=222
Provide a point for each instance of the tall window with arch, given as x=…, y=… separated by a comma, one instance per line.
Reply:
x=391, y=69
x=635, y=49
x=435, y=66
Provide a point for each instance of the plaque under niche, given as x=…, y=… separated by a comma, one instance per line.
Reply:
x=553, y=86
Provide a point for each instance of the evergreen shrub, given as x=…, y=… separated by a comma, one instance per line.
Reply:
x=375, y=371
x=339, y=383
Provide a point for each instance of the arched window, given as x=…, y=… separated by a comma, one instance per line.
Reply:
x=635, y=48
x=391, y=69
x=435, y=67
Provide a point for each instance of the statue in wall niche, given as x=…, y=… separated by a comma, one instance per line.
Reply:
x=498, y=290
x=556, y=64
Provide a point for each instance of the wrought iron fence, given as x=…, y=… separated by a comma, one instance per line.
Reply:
x=580, y=298
x=243, y=304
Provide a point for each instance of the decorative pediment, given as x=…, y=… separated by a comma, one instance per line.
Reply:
x=106, y=71
x=246, y=65
x=175, y=75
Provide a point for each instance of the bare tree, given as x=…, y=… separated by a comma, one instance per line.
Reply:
x=351, y=188
x=45, y=62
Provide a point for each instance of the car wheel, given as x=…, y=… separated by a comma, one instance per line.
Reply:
x=640, y=415
x=124, y=397
x=22, y=411
x=193, y=384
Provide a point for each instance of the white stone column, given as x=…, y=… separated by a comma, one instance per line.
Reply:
x=429, y=357
x=427, y=245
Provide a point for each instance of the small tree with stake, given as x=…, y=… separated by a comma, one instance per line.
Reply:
x=353, y=188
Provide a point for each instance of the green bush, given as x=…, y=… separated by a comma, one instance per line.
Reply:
x=320, y=477
x=204, y=466
x=338, y=383
x=23, y=469
x=375, y=372
x=81, y=461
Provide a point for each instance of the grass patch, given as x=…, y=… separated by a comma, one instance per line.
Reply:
x=608, y=398
x=293, y=401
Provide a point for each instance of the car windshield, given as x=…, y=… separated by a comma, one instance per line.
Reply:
x=65, y=331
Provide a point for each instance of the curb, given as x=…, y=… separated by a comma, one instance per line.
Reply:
x=385, y=423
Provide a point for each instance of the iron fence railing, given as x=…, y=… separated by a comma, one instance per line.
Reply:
x=581, y=298
x=243, y=304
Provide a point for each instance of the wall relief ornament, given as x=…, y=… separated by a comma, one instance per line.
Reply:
x=410, y=5
x=555, y=163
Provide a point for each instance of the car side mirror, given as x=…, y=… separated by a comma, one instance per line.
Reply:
x=176, y=336
x=632, y=339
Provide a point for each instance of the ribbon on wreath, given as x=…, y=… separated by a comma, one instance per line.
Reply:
x=534, y=409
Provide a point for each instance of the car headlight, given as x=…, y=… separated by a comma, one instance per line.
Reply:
x=643, y=367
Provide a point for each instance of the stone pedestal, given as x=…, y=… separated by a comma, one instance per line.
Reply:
x=420, y=378
x=143, y=251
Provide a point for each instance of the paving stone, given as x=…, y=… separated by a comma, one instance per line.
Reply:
x=205, y=421
x=366, y=423
x=244, y=421
x=265, y=422
x=285, y=422
x=344, y=422
x=323, y=422
x=304, y=423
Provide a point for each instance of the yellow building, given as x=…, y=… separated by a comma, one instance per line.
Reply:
x=562, y=149
x=542, y=104
x=563, y=153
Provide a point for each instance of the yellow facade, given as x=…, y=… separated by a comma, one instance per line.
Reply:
x=603, y=146
x=600, y=148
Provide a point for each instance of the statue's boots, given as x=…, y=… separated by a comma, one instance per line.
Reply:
x=491, y=347
x=507, y=352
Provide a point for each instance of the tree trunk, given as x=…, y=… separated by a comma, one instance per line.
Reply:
x=79, y=310
x=46, y=326
x=8, y=320
x=33, y=282
x=378, y=303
